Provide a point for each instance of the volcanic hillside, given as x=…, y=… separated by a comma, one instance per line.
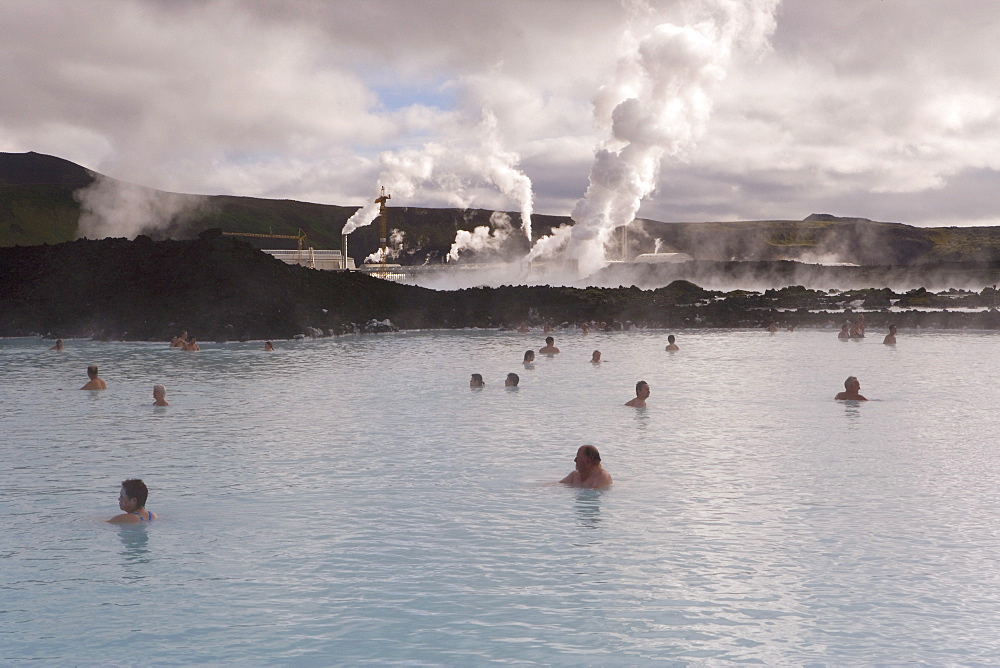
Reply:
x=40, y=199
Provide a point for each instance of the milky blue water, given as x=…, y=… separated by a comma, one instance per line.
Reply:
x=352, y=500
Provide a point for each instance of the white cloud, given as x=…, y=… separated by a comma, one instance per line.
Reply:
x=876, y=109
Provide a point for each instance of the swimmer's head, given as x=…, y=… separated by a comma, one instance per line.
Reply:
x=596, y=356
x=549, y=340
x=529, y=355
x=852, y=381
x=512, y=380
x=589, y=453
x=92, y=371
x=159, y=391
x=671, y=339
x=134, y=488
x=892, y=329
x=641, y=387
x=477, y=380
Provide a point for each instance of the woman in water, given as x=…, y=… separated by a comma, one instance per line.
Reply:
x=132, y=499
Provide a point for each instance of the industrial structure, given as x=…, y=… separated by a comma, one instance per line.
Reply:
x=305, y=256
x=383, y=213
x=328, y=260
x=300, y=238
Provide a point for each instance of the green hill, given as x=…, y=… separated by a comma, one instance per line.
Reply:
x=39, y=203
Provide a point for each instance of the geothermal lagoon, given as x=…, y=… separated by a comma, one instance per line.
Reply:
x=350, y=500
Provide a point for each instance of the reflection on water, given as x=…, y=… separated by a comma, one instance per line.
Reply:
x=135, y=544
x=852, y=410
x=588, y=507
x=640, y=417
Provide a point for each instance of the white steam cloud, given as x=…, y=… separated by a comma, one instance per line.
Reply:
x=455, y=167
x=482, y=239
x=393, y=248
x=658, y=106
x=112, y=208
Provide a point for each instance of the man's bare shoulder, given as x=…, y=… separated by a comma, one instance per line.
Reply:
x=572, y=479
x=598, y=481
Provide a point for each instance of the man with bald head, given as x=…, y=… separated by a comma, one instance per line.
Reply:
x=589, y=473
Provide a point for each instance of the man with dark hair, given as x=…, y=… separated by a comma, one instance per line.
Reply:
x=549, y=348
x=852, y=387
x=132, y=499
x=476, y=380
x=641, y=394
x=589, y=473
x=671, y=345
x=95, y=383
x=512, y=380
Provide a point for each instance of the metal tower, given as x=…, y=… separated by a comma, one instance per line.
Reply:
x=384, y=214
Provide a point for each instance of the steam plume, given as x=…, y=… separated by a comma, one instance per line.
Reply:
x=112, y=208
x=465, y=162
x=658, y=106
x=499, y=164
x=481, y=239
x=393, y=248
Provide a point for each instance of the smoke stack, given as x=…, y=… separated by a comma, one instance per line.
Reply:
x=343, y=248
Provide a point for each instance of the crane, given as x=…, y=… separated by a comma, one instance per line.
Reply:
x=300, y=237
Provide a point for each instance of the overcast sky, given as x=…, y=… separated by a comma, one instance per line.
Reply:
x=883, y=109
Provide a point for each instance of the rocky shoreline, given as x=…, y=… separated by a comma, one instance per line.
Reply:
x=222, y=289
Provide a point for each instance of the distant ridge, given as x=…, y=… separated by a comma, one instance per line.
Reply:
x=830, y=218
x=39, y=203
x=38, y=169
